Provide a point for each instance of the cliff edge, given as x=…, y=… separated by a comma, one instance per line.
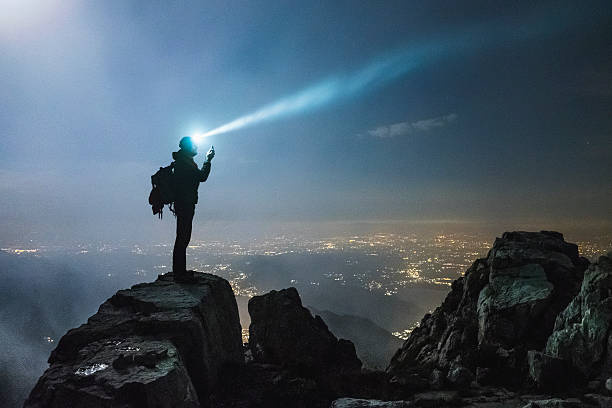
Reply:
x=505, y=305
x=156, y=344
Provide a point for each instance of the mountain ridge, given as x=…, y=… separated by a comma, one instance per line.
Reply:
x=527, y=313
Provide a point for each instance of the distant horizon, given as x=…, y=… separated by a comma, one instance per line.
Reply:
x=257, y=230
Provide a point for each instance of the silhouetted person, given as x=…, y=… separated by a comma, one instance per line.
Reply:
x=187, y=178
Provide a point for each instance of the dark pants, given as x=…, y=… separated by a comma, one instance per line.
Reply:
x=184, y=217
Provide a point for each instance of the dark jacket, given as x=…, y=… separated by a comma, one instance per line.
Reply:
x=187, y=177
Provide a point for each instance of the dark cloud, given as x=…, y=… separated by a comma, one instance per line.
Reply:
x=407, y=128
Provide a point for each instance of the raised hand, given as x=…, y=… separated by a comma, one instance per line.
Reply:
x=210, y=154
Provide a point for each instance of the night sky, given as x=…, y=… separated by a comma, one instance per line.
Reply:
x=496, y=110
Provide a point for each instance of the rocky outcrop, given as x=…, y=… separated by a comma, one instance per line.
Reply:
x=580, y=347
x=283, y=332
x=504, y=305
x=158, y=344
x=293, y=360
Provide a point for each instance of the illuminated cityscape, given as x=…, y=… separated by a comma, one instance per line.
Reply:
x=384, y=264
x=381, y=262
x=393, y=260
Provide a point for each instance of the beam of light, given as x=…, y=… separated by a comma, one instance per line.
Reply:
x=324, y=92
x=400, y=62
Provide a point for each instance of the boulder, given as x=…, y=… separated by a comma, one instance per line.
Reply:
x=504, y=305
x=582, y=336
x=533, y=276
x=157, y=344
x=283, y=332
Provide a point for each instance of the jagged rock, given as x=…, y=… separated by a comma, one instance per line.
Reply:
x=582, y=338
x=157, y=344
x=504, y=305
x=283, y=332
x=556, y=403
x=460, y=377
x=363, y=403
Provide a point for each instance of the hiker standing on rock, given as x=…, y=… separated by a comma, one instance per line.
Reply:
x=187, y=179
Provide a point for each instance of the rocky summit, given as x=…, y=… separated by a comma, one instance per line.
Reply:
x=158, y=344
x=527, y=326
x=294, y=360
x=505, y=305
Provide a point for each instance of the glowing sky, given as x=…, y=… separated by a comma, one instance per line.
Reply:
x=381, y=110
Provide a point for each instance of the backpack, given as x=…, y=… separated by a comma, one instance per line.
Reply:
x=163, y=190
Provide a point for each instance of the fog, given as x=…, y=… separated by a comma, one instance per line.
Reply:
x=44, y=297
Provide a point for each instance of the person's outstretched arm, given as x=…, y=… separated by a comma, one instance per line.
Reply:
x=205, y=171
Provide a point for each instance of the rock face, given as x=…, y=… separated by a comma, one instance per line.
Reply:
x=283, y=332
x=580, y=347
x=157, y=344
x=296, y=361
x=505, y=305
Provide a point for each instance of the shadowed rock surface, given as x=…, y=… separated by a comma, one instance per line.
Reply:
x=296, y=360
x=157, y=344
x=504, y=305
x=580, y=348
x=528, y=317
x=284, y=332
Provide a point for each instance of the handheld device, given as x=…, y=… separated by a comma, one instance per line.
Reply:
x=211, y=153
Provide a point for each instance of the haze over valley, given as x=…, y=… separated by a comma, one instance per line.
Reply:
x=368, y=282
